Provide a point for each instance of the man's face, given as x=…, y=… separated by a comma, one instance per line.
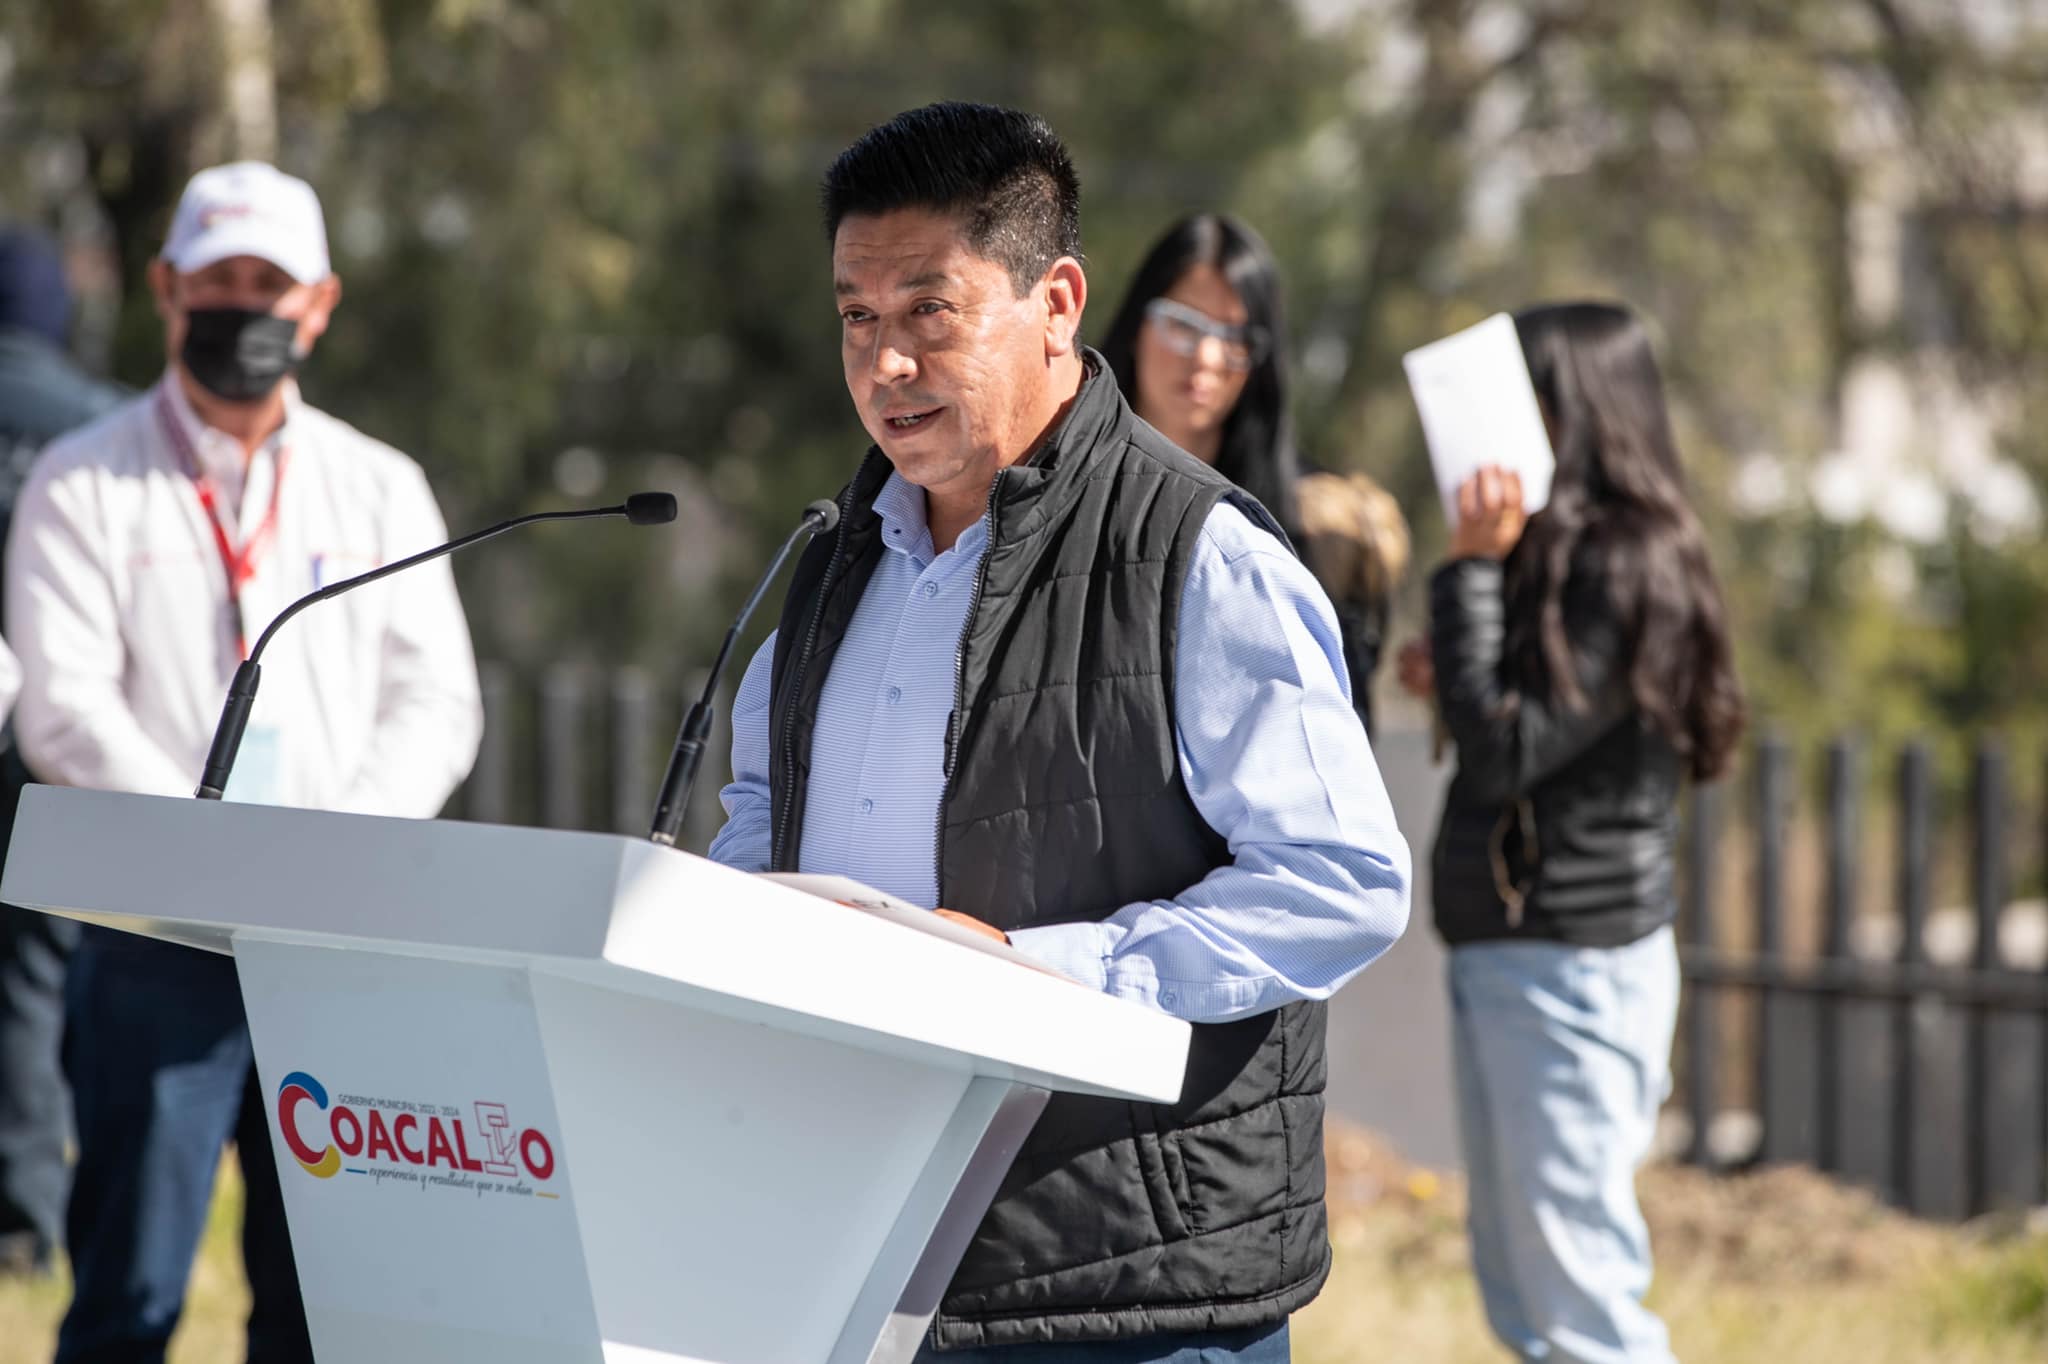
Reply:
x=241, y=282
x=949, y=368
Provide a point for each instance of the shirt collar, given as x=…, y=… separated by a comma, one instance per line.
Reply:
x=905, y=529
x=220, y=455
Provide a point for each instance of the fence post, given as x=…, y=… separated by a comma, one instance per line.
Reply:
x=1915, y=839
x=1842, y=781
x=563, y=696
x=1701, y=1035
x=1988, y=885
x=487, y=796
x=633, y=744
x=1772, y=772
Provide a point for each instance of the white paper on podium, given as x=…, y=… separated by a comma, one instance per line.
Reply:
x=856, y=895
x=1478, y=407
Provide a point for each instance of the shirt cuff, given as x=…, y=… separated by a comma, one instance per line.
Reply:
x=1080, y=951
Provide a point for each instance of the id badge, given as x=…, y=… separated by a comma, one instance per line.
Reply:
x=257, y=766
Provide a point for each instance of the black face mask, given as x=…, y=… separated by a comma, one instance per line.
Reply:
x=238, y=355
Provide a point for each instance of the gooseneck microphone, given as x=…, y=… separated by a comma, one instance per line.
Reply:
x=641, y=509
x=674, y=800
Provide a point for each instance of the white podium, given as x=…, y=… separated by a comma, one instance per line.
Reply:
x=545, y=1096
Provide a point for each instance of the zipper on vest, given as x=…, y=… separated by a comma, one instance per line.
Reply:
x=801, y=659
x=954, y=722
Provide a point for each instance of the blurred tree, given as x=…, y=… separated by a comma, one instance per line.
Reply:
x=1800, y=198
x=580, y=242
x=581, y=251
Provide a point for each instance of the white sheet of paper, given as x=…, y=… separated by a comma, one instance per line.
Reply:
x=855, y=895
x=1478, y=407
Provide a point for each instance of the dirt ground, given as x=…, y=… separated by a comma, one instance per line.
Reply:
x=1757, y=1268
x=1771, y=1227
x=1781, y=1265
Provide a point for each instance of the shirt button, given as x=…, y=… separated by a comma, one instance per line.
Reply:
x=867, y=807
x=895, y=696
x=1168, y=998
x=931, y=589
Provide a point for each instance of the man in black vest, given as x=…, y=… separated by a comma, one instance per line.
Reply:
x=1057, y=676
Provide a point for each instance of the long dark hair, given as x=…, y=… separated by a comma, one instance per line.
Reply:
x=1257, y=453
x=1618, y=510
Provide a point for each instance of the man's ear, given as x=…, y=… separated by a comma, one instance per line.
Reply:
x=163, y=287
x=313, y=323
x=1066, y=295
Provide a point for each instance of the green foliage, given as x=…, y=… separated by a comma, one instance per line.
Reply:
x=2005, y=1293
x=581, y=254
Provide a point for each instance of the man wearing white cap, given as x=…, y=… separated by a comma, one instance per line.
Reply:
x=148, y=550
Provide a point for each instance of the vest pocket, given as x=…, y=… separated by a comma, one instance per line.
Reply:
x=1177, y=1176
x=1166, y=1180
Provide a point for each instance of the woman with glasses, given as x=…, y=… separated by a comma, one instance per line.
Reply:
x=1196, y=348
x=1581, y=663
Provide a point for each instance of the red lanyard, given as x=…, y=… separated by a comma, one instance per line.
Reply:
x=239, y=565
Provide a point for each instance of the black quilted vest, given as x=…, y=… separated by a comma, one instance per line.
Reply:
x=1064, y=803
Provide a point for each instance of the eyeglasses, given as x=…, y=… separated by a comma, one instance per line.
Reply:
x=1183, y=329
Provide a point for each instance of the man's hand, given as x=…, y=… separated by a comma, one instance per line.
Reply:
x=1416, y=670
x=1490, y=516
x=986, y=930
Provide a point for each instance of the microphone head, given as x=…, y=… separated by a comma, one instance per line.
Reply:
x=825, y=512
x=651, y=509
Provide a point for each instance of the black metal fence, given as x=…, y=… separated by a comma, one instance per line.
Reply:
x=584, y=749
x=1924, y=1076
x=1921, y=1074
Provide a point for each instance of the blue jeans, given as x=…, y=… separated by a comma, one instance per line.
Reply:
x=1563, y=1057
x=1257, y=1345
x=162, y=1078
x=34, y=1106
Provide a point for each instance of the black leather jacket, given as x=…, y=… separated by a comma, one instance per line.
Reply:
x=1561, y=823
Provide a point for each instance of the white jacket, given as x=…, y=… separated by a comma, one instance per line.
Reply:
x=117, y=606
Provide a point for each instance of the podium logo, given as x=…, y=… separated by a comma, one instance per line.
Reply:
x=296, y=1089
x=391, y=1135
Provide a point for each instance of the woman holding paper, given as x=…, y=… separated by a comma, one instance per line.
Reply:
x=1581, y=663
x=1197, y=348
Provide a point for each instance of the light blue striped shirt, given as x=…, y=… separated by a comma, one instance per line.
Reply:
x=1270, y=748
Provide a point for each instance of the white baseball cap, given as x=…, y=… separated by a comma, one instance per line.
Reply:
x=249, y=208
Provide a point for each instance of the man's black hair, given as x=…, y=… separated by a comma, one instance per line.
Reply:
x=1004, y=172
